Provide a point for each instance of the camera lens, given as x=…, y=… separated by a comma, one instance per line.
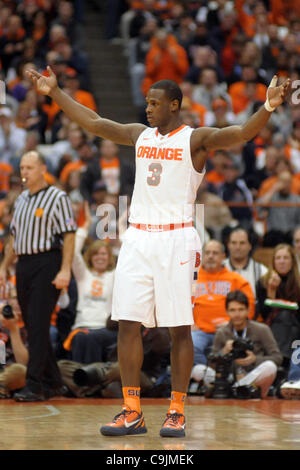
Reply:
x=7, y=311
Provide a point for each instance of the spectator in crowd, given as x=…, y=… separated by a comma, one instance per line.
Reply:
x=215, y=177
x=234, y=190
x=74, y=59
x=12, y=41
x=66, y=18
x=184, y=29
x=86, y=152
x=296, y=243
x=237, y=90
x=281, y=164
x=221, y=115
x=268, y=169
x=216, y=213
x=94, y=274
x=257, y=371
x=166, y=59
x=293, y=145
x=282, y=218
x=281, y=283
x=12, y=138
x=72, y=87
x=39, y=32
x=239, y=257
x=20, y=90
x=202, y=57
x=138, y=49
x=208, y=88
x=203, y=116
x=115, y=172
x=213, y=284
x=67, y=147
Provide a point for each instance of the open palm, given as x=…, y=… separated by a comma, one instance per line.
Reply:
x=43, y=85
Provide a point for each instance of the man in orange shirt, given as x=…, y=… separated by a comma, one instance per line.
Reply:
x=82, y=96
x=166, y=59
x=213, y=284
x=237, y=90
x=85, y=154
x=216, y=176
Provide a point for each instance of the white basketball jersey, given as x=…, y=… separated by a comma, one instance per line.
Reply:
x=166, y=182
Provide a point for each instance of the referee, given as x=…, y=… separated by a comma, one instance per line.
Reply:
x=42, y=237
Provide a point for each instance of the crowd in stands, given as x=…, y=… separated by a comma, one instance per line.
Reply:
x=223, y=54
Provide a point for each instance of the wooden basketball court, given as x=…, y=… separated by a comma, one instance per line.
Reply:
x=73, y=424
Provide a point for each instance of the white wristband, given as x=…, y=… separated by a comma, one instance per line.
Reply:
x=268, y=107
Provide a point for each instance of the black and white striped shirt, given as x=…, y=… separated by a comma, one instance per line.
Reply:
x=40, y=220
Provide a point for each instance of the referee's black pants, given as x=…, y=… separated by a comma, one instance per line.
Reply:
x=37, y=297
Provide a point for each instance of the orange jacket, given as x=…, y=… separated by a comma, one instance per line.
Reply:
x=248, y=21
x=210, y=295
x=86, y=99
x=68, y=168
x=268, y=183
x=239, y=98
x=283, y=10
x=166, y=68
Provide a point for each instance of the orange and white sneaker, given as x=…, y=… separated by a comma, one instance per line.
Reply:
x=174, y=425
x=127, y=422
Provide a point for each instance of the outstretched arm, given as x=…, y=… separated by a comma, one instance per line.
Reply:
x=213, y=139
x=124, y=134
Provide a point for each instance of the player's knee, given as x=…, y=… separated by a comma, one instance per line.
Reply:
x=128, y=329
x=181, y=334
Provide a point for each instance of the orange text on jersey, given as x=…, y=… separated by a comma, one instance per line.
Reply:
x=159, y=153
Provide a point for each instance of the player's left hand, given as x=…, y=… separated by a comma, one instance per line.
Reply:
x=62, y=279
x=277, y=94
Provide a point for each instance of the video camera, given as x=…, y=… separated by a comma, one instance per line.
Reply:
x=224, y=365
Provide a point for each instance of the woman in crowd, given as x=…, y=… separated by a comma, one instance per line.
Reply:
x=278, y=299
x=90, y=338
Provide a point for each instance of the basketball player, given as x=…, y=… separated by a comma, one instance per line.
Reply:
x=153, y=275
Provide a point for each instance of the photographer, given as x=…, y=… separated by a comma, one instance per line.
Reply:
x=246, y=348
x=14, y=375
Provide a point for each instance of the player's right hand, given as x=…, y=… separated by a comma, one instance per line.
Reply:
x=42, y=84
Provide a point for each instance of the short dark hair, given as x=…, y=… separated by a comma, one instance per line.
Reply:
x=171, y=89
x=236, y=296
x=239, y=229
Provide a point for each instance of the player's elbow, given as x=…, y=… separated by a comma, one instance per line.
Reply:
x=94, y=125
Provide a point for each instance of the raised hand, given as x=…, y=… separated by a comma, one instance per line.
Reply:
x=43, y=85
x=277, y=94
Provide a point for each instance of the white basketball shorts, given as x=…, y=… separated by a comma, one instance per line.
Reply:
x=154, y=277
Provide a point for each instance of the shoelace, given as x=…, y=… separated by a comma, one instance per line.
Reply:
x=120, y=415
x=172, y=418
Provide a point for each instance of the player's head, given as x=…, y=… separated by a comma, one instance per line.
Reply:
x=164, y=100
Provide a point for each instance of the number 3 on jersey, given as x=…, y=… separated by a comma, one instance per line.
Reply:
x=156, y=170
